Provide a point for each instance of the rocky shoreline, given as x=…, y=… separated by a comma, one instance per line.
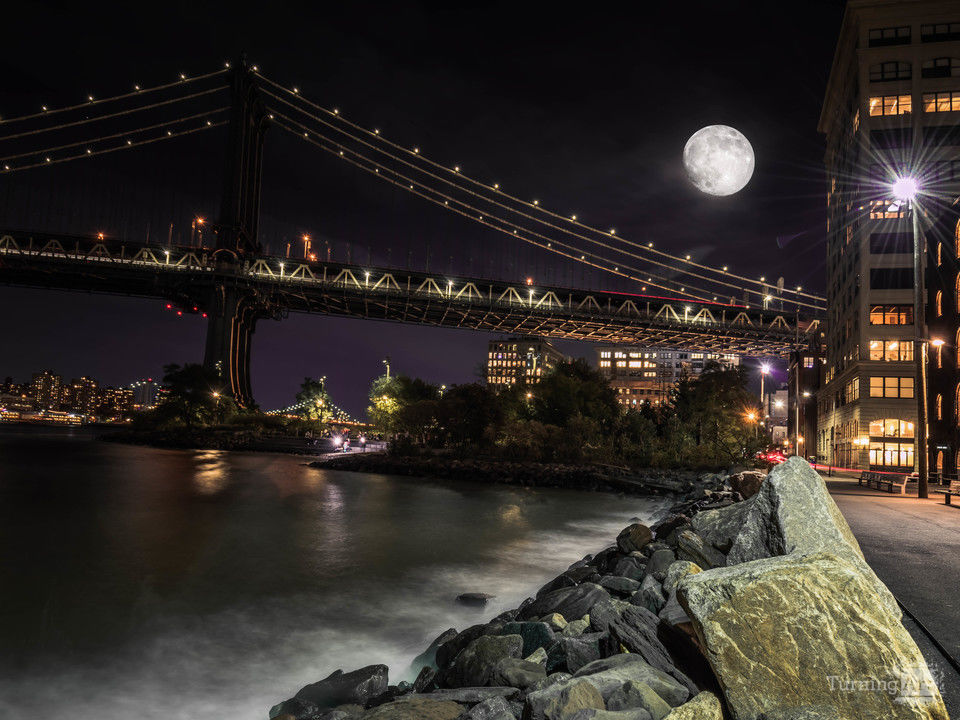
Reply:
x=606, y=478
x=755, y=609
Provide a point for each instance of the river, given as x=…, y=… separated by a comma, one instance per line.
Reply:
x=147, y=583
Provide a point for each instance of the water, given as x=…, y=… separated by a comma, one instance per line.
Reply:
x=137, y=582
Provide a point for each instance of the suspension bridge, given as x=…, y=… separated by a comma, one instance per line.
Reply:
x=232, y=280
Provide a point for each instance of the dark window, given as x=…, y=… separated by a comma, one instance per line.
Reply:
x=891, y=278
x=939, y=32
x=942, y=135
x=886, y=243
x=890, y=36
x=941, y=67
x=892, y=70
x=892, y=138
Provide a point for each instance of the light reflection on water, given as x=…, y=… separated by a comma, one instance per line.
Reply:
x=164, y=584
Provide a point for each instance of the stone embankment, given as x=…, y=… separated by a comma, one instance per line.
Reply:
x=756, y=609
x=608, y=478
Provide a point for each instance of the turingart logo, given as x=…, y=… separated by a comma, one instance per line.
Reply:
x=913, y=684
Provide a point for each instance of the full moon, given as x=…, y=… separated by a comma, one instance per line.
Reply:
x=719, y=160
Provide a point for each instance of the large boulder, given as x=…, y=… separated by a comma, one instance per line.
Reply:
x=639, y=695
x=569, y=654
x=617, y=585
x=448, y=650
x=469, y=695
x=692, y=548
x=419, y=708
x=776, y=631
x=561, y=701
x=428, y=658
x=676, y=572
x=514, y=672
x=341, y=688
x=493, y=709
x=473, y=666
x=659, y=562
x=650, y=595
x=747, y=483
x=572, y=602
x=609, y=674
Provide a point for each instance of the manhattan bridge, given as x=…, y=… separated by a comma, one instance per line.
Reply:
x=225, y=272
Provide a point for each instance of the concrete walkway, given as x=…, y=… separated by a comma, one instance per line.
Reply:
x=914, y=547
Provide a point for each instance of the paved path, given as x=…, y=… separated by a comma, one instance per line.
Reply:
x=914, y=547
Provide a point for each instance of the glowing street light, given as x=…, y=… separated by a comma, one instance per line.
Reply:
x=905, y=188
x=764, y=371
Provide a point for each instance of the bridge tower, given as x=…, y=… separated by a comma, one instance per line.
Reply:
x=233, y=306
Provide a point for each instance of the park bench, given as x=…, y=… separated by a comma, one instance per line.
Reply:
x=954, y=489
x=884, y=481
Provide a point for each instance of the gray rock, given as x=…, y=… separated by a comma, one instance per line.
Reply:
x=425, y=680
x=492, y=709
x=468, y=695
x=635, y=714
x=552, y=679
x=452, y=647
x=673, y=613
x=474, y=599
x=341, y=688
x=677, y=571
x=538, y=656
x=300, y=709
x=704, y=706
x=659, y=563
x=560, y=701
x=576, y=628
x=801, y=713
x=623, y=586
x=747, y=483
x=535, y=635
x=472, y=667
x=609, y=674
x=513, y=672
x=639, y=695
x=570, y=578
x=416, y=707
x=690, y=546
x=650, y=595
x=569, y=602
x=650, y=549
x=630, y=567
x=572, y=653
x=429, y=656
x=634, y=537
x=636, y=628
x=556, y=621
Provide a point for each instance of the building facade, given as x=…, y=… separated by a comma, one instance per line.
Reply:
x=943, y=356
x=892, y=109
x=804, y=378
x=519, y=361
x=645, y=374
x=46, y=390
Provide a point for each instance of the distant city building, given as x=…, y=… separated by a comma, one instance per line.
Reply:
x=890, y=109
x=520, y=360
x=645, y=374
x=46, y=390
x=115, y=401
x=82, y=396
x=804, y=378
x=144, y=394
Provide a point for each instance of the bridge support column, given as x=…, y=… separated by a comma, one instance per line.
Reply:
x=230, y=325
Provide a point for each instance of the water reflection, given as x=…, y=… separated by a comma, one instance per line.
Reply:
x=210, y=476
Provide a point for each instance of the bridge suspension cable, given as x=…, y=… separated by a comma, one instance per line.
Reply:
x=116, y=114
x=682, y=265
x=137, y=92
x=114, y=136
x=475, y=214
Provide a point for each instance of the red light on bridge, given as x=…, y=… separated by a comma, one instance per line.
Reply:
x=313, y=256
x=529, y=281
x=169, y=306
x=179, y=313
x=204, y=314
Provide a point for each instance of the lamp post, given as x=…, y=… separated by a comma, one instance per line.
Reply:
x=764, y=405
x=905, y=189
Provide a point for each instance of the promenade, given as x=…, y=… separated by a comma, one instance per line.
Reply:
x=914, y=547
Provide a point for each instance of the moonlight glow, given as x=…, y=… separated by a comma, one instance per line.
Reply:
x=719, y=160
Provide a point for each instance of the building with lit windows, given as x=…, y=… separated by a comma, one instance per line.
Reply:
x=805, y=371
x=645, y=374
x=46, y=390
x=82, y=395
x=892, y=108
x=144, y=394
x=519, y=360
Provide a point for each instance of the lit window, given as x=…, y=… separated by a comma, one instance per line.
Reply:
x=939, y=405
x=887, y=209
x=890, y=105
x=939, y=303
x=947, y=101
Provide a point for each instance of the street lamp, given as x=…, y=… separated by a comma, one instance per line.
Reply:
x=764, y=369
x=905, y=188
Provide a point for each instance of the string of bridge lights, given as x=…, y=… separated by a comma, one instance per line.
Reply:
x=471, y=212
x=341, y=415
x=763, y=292
x=125, y=133
x=137, y=90
x=129, y=144
x=512, y=225
x=109, y=116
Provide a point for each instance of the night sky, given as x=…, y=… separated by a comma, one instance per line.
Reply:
x=586, y=110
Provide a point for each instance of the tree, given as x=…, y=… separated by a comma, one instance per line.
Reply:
x=195, y=395
x=314, y=400
x=571, y=389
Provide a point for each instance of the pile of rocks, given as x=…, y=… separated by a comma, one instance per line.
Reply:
x=747, y=607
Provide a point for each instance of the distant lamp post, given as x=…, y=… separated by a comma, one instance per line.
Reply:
x=905, y=188
x=764, y=371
